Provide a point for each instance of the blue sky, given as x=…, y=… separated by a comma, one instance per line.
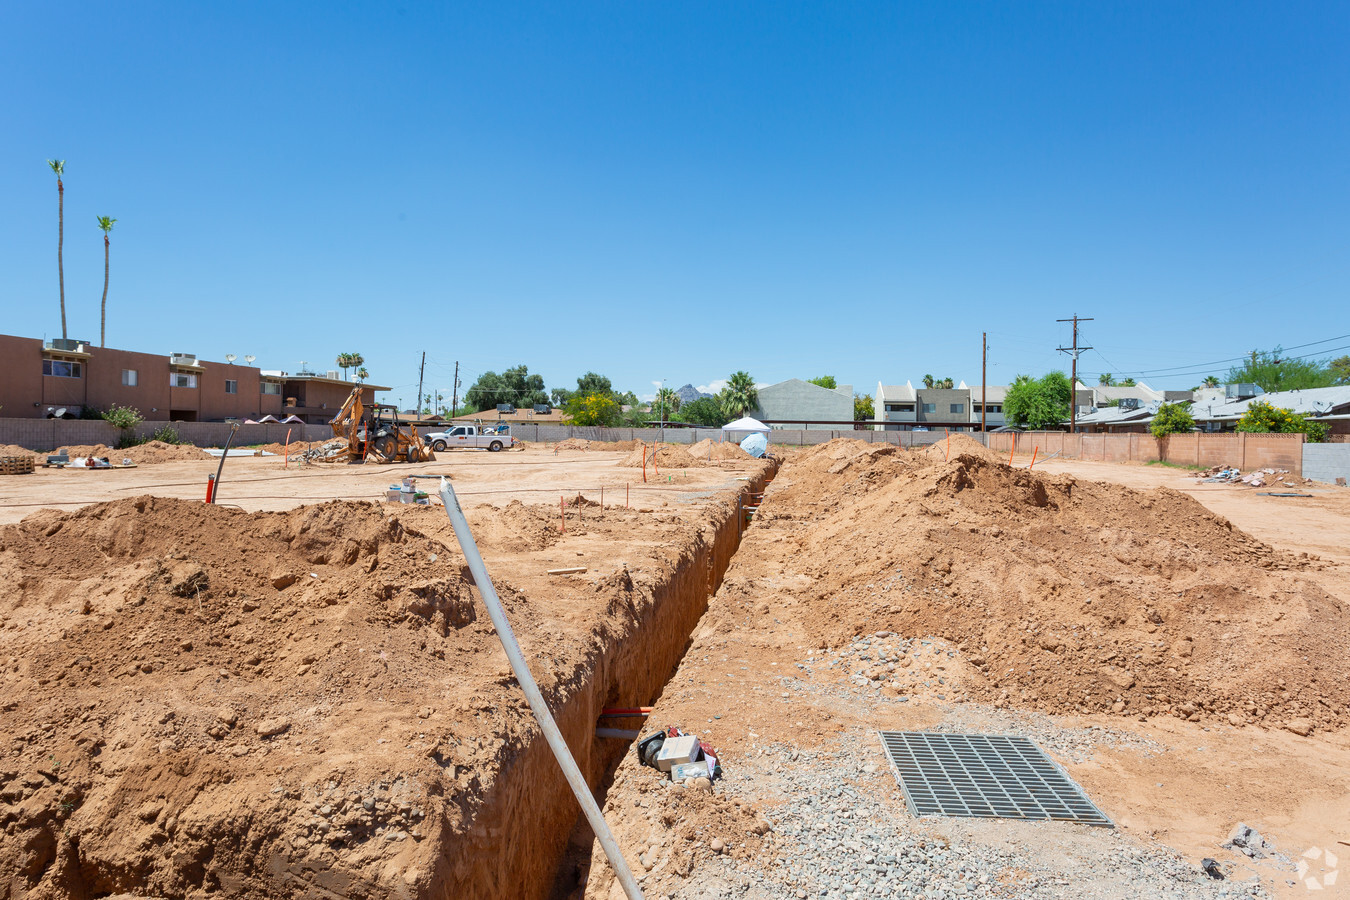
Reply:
x=676, y=191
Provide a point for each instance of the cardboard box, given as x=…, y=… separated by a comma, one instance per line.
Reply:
x=676, y=750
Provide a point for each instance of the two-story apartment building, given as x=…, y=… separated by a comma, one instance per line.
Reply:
x=903, y=407
x=66, y=377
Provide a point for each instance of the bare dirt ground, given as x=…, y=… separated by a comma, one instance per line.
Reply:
x=1181, y=650
x=261, y=483
x=303, y=697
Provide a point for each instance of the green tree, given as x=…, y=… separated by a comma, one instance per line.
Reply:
x=1274, y=373
x=59, y=167
x=928, y=381
x=825, y=381
x=591, y=383
x=595, y=409
x=946, y=383
x=863, y=408
x=1262, y=418
x=1340, y=369
x=344, y=362
x=515, y=386
x=739, y=396
x=1105, y=379
x=1172, y=418
x=1211, y=381
x=124, y=419
x=704, y=411
x=106, y=224
x=561, y=396
x=362, y=374
x=1038, y=403
x=1128, y=382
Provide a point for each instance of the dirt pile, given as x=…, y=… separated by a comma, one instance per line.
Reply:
x=15, y=450
x=1064, y=595
x=663, y=456
x=597, y=446
x=958, y=445
x=710, y=449
x=146, y=454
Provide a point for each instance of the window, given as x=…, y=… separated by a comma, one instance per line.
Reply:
x=128, y=378
x=62, y=368
x=958, y=408
x=183, y=379
x=271, y=387
x=930, y=407
x=231, y=387
x=899, y=407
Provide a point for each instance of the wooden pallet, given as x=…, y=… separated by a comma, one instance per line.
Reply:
x=16, y=465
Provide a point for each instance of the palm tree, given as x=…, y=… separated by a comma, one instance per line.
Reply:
x=1211, y=381
x=59, y=167
x=344, y=362
x=362, y=374
x=739, y=396
x=928, y=381
x=668, y=400
x=106, y=224
x=355, y=360
x=1105, y=379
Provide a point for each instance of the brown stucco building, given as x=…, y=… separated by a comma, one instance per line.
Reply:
x=39, y=379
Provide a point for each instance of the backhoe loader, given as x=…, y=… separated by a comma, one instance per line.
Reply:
x=389, y=439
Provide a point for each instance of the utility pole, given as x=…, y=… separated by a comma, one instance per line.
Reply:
x=420, y=373
x=1073, y=379
x=454, y=393
x=984, y=386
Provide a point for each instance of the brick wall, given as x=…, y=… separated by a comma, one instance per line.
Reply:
x=1246, y=451
x=49, y=434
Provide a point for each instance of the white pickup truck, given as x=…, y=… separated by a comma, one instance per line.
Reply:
x=487, y=437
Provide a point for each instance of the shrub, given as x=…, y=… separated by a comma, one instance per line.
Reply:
x=123, y=417
x=1172, y=418
x=1262, y=418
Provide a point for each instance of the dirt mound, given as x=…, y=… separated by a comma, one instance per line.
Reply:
x=1066, y=595
x=959, y=445
x=188, y=690
x=15, y=450
x=281, y=449
x=597, y=446
x=142, y=454
x=710, y=449
x=664, y=456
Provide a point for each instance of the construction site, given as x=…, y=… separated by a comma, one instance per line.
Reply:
x=297, y=690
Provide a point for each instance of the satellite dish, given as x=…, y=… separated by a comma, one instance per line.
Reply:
x=249, y=359
x=59, y=413
x=230, y=358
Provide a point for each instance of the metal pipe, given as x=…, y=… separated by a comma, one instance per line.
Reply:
x=536, y=699
x=226, y=452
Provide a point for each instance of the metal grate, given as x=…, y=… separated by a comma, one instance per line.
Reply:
x=988, y=775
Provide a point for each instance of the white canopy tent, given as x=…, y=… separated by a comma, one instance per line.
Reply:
x=746, y=425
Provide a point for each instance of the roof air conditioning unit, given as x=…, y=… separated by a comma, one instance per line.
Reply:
x=542, y=409
x=183, y=359
x=65, y=344
x=505, y=408
x=1242, y=391
x=1129, y=402
x=334, y=374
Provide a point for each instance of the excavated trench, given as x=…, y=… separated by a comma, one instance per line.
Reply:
x=530, y=835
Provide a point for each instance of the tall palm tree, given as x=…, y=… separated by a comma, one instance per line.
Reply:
x=344, y=362
x=355, y=360
x=1211, y=381
x=362, y=374
x=668, y=401
x=59, y=167
x=928, y=381
x=739, y=396
x=106, y=224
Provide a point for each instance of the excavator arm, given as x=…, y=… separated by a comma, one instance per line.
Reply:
x=347, y=423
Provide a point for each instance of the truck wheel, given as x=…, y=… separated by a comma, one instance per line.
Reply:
x=438, y=445
x=495, y=446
